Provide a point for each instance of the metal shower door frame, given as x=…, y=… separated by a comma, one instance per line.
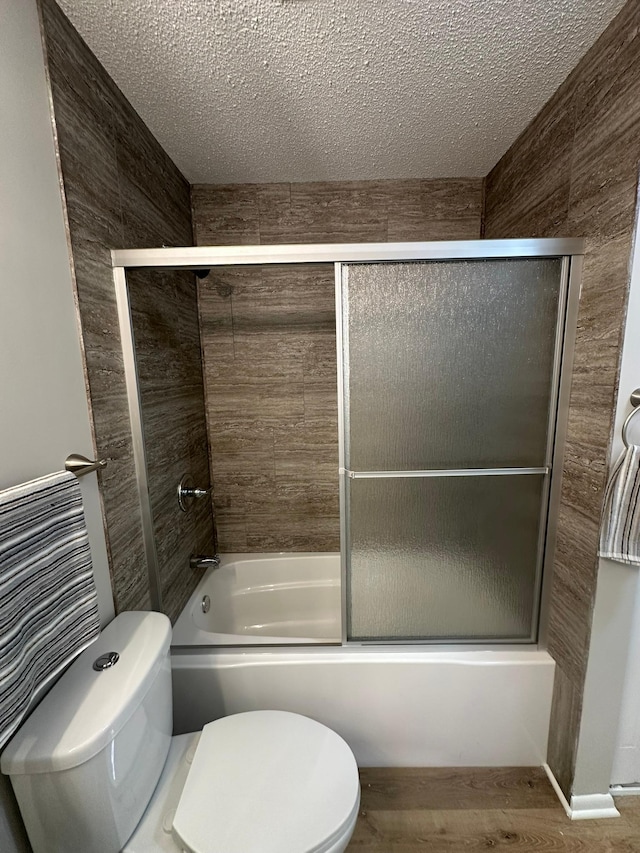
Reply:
x=199, y=257
x=564, y=343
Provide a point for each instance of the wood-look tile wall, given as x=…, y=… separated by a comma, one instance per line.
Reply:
x=122, y=190
x=268, y=337
x=574, y=172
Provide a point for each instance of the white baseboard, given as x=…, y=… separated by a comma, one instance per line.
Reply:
x=591, y=806
x=625, y=790
x=584, y=806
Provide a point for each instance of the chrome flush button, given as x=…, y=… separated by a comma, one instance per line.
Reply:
x=106, y=661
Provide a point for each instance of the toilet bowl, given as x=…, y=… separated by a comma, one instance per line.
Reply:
x=95, y=768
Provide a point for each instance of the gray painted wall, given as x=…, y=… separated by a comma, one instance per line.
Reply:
x=44, y=414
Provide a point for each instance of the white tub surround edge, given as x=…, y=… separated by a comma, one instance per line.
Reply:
x=423, y=708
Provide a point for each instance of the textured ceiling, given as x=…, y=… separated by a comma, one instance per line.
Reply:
x=298, y=90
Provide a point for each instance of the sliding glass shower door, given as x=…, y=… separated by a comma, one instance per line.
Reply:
x=449, y=384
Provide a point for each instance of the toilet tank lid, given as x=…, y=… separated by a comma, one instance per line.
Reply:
x=86, y=708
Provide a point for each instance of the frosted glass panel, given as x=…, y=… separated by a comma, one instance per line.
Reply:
x=449, y=364
x=443, y=557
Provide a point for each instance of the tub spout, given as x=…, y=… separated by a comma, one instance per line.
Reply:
x=197, y=561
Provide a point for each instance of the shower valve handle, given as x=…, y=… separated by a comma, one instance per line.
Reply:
x=196, y=493
x=187, y=493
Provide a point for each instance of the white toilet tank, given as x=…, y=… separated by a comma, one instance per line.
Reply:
x=85, y=763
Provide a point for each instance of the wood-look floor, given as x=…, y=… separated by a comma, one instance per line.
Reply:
x=459, y=810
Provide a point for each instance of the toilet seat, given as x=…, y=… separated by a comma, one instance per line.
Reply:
x=267, y=782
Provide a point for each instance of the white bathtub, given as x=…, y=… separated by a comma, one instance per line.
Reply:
x=396, y=706
x=265, y=599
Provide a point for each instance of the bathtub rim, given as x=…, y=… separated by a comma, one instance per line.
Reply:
x=468, y=653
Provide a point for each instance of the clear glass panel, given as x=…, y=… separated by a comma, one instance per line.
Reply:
x=443, y=557
x=449, y=364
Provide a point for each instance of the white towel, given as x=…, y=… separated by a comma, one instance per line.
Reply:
x=620, y=531
x=48, y=603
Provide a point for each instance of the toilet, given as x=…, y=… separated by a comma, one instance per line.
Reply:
x=95, y=768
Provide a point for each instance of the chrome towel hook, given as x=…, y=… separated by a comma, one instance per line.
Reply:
x=635, y=402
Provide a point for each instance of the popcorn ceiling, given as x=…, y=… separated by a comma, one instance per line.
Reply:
x=300, y=90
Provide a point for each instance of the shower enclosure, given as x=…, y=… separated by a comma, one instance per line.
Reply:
x=453, y=381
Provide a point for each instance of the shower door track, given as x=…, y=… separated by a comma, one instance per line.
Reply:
x=200, y=257
x=197, y=257
x=442, y=472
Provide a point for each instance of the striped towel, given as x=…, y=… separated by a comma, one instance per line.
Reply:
x=620, y=531
x=48, y=603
